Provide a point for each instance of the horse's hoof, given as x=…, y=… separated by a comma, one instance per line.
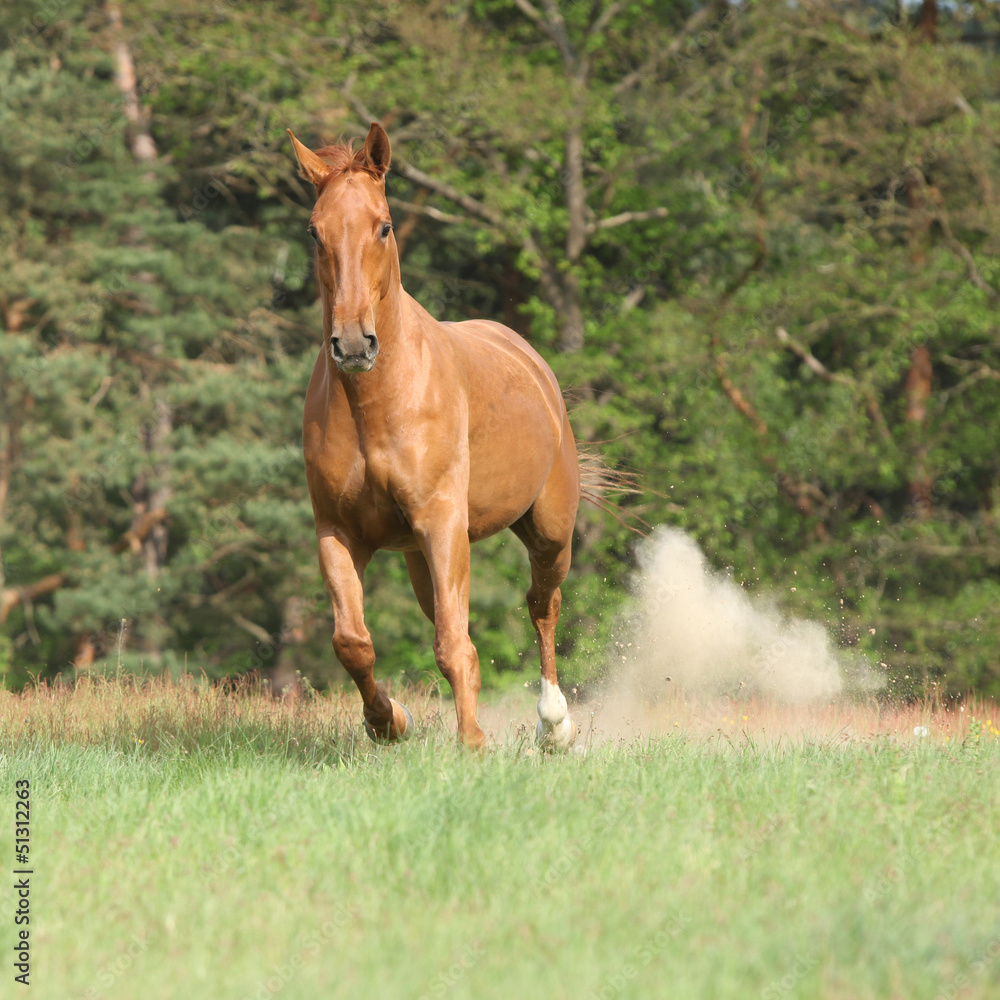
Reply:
x=401, y=727
x=404, y=726
x=557, y=737
x=555, y=729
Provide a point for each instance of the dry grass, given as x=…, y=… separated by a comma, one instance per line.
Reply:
x=615, y=716
x=760, y=719
x=189, y=713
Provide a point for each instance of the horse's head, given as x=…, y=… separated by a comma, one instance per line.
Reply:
x=355, y=248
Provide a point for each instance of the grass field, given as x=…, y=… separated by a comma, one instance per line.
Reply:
x=190, y=843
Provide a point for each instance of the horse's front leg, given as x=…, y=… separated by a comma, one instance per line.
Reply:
x=443, y=536
x=343, y=567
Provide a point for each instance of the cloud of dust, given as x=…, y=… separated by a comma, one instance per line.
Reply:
x=698, y=632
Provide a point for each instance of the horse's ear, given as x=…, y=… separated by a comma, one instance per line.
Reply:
x=311, y=167
x=377, y=150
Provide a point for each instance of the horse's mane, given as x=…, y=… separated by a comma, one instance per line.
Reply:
x=344, y=158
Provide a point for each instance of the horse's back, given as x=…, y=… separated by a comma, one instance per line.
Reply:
x=504, y=357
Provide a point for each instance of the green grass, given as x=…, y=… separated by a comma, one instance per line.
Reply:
x=255, y=857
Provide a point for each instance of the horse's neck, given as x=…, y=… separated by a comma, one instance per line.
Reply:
x=398, y=337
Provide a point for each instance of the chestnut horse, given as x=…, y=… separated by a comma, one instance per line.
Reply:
x=422, y=436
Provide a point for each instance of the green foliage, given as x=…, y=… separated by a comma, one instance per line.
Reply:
x=830, y=185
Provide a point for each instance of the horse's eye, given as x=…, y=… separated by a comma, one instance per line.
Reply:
x=386, y=229
x=313, y=233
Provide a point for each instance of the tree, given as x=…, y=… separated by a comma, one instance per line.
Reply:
x=133, y=372
x=550, y=188
x=756, y=242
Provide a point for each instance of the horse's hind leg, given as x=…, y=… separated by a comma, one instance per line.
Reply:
x=550, y=561
x=343, y=570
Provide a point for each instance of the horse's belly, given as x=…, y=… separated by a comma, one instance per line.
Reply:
x=484, y=522
x=502, y=490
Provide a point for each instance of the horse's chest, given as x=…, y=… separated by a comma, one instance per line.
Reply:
x=356, y=493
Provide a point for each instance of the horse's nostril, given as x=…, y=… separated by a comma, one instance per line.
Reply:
x=356, y=344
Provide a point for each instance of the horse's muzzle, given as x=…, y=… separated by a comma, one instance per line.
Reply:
x=356, y=356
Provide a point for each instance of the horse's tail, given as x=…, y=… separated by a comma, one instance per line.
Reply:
x=599, y=482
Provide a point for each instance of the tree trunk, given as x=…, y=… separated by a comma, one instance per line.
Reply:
x=285, y=679
x=140, y=141
x=918, y=391
x=927, y=21
x=571, y=333
x=8, y=447
x=149, y=536
x=154, y=545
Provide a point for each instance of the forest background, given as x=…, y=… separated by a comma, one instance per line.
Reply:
x=758, y=242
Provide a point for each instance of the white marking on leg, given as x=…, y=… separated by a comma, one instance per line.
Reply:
x=555, y=727
x=552, y=704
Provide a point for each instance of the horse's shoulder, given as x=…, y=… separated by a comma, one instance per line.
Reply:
x=490, y=333
x=497, y=348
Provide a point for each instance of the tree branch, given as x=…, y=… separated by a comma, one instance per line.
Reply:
x=738, y=399
x=605, y=16
x=977, y=372
x=470, y=204
x=973, y=271
x=260, y=634
x=549, y=273
x=556, y=28
x=143, y=523
x=625, y=217
x=818, y=368
x=434, y=213
x=532, y=11
x=693, y=23
x=415, y=174
x=549, y=276
x=810, y=360
x=11, y=597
